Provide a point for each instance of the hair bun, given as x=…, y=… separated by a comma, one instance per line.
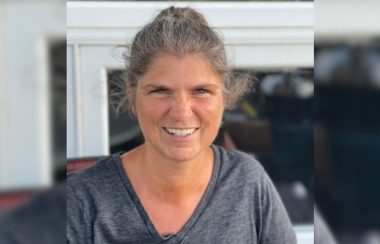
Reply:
x=178, y=14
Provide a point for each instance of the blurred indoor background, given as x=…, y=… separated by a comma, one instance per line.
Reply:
x=347, y=121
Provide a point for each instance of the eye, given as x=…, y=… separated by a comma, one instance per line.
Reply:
x=160, y=91
x=201, y=91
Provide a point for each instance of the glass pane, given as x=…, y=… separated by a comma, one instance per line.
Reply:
x=57, y=56
x=124, y=131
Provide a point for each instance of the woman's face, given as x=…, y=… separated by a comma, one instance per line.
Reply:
x=179, y=106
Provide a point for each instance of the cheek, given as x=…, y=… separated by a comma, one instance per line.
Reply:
x=151, y=108
x=210, y=110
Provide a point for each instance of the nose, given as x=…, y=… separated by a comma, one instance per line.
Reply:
x=181, y=107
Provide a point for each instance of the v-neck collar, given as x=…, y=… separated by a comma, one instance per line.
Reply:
x=195, y=215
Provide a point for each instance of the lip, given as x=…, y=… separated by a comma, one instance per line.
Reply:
x=180, y=138
x=181, y=128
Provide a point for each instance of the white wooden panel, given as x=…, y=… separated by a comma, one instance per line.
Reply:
x=136, y=14
x=283, y=30
x=94, y=63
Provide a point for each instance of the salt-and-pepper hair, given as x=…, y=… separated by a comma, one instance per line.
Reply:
x=179, y=32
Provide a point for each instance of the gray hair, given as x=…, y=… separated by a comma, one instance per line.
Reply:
x=179, y=31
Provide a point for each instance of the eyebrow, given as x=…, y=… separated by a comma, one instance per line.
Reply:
x=158, y=86
x=207, y=85
x=151, y=86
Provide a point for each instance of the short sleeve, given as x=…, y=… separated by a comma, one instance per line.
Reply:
x=276, y=226
x=75, y=226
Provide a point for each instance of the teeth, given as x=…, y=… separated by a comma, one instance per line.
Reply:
x=178, y=132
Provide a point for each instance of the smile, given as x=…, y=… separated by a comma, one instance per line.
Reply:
x=180, y=132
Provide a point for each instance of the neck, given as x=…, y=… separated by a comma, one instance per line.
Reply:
x=173, y=181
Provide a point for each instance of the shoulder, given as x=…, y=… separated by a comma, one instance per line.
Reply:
x=98, y=174
x=238, y=159
x=235, y=163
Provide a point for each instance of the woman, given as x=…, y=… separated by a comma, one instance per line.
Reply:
x=177, y=187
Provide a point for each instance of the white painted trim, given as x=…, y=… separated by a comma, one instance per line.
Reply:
x=105, y=118
x=72, y=141
x=351, y=19
x=236, y=36
x=78, y=102
x=135, y=14
x=3, y=164
x=257, y=34
x=240, y=22
x=44, y=116
x=94, y=63
x=263, y=48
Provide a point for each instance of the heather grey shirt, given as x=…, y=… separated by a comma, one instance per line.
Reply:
x=240, y=205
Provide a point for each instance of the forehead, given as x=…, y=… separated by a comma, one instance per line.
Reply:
x=189, y=69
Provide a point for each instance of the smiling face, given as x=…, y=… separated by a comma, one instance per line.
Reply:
x=179, y=105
